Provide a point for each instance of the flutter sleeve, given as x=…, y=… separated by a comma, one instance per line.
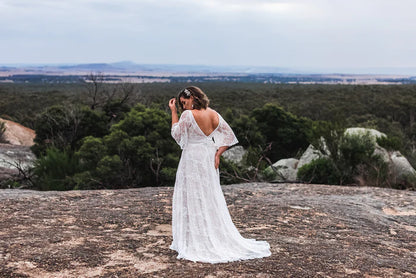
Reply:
x=179, y=130
x=224, y=135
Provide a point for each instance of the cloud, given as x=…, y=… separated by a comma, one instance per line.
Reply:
x=260, y=32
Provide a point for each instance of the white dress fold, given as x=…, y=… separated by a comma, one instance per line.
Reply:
x=202, y=228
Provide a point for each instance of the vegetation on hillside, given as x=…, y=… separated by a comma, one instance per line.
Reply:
x=118, y=135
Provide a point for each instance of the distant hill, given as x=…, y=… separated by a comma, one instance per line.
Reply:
x=126, y=71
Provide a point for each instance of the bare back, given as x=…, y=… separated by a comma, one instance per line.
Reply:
x=207, y=120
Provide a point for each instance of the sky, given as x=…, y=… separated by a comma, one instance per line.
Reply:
x=298, y=34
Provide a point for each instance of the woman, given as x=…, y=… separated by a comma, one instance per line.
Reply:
x=202, y=228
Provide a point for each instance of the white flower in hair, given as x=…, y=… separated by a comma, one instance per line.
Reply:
x=187, y=92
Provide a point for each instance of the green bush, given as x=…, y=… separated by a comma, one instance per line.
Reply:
x=320, y=171
x=91, y=152
x=54, y=170
x=2, y=131
x=110, y=169
x=390, y=143
x=354, y=150
x=64, y=127
x=139, y=151
x=375, y=172
x=246, y=129
x=288, y=133
x=351, y=160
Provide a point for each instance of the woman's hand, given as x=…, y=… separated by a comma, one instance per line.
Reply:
x=172, y=104
x=218, y=154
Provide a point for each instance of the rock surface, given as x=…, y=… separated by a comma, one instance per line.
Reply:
x=314, y=231
x=374, y=134
x=284, y=169
x=401, y=165
x=308, y=156
x=17, y=151
x=235, y=154
x=12, y=156
x=16, y=134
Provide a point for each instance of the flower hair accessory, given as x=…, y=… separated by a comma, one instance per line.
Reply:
x=187, y=92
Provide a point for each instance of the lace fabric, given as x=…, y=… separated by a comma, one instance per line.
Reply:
x=202, y=227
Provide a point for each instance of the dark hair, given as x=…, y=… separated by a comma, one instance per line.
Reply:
x=201, y=100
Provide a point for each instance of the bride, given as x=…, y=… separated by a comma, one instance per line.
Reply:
x=202, y=228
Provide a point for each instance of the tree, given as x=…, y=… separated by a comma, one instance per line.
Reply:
x=96, y=89
x=63, y=127
x=113, y=98
x=287, y=133
x=139, y=150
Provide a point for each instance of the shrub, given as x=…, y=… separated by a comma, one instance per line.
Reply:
x=2, y=131
x=287, y=132
x=375, y=172
x=64, y=127
x=321, y=171
x=391, y=143
x=91, y=152
x=249, y=169
x=350, y=159
x=54, y=170
x=354, y=150
x=110, y=169
x=139, y=151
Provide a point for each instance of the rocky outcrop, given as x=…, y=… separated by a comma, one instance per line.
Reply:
x=13, y=157
x=308, y=156
x=283, y=170
x=400, y=165
x=374, y=134
x=235, y=154
x=286, y=169
x=16, y=134
x=313, y=230
x=16, y=153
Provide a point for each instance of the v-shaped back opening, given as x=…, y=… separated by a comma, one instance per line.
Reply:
x=218, y=117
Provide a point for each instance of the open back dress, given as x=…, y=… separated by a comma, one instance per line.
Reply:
x=202, y=228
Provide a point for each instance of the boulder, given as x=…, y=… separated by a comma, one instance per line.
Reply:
x=16, y=153
x=287, y=168
x=235, y=154
x=400, y=165
x=283, y=170
x=308, y=156
x=383, y=153
x=16, y=134
x=374, y=134
x=11, y=155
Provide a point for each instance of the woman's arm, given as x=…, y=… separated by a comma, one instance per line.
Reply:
x=218, y=154
x=172, y=106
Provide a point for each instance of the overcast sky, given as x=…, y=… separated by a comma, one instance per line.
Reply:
x=278, y=33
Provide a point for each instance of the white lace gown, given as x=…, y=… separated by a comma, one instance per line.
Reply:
x=202, y=228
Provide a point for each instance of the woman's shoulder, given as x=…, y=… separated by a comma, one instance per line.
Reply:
x=186, y=113
x=212, y=111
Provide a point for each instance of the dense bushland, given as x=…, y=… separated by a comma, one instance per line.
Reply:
x=118, y=143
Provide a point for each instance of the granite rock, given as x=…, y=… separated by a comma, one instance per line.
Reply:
x=313, y=230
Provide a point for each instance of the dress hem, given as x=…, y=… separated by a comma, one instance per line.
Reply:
x=220, y=261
